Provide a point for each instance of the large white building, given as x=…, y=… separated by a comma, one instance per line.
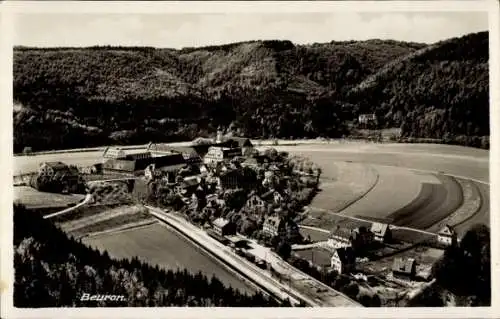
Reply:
x=217, y=154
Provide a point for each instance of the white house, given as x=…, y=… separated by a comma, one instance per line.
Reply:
x=366, y=120
x=381, y=232
x=447, y=236
x=343, y=260
x=217, y=154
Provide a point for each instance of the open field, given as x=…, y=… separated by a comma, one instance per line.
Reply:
x=461, y=161
x=105, y=219
x=32, y=198
x=434, y=203
x=342, y=183
x=159, y=244
x=389, y=186
x=471, y=204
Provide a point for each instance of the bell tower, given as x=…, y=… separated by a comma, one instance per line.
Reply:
x=220, y=133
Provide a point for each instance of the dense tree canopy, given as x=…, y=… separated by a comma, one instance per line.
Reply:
x=465, y=270
x=116, y=95
x=52, y=270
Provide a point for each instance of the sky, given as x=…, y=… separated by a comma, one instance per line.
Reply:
x=177, y=30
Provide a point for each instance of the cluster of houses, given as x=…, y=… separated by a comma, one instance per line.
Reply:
x=347, y=245
x=207, y=170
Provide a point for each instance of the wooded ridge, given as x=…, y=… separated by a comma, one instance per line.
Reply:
x=82, y=97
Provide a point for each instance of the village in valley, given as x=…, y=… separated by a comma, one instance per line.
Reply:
x=253, y=201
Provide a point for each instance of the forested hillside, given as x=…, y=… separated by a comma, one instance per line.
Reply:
x=69, y=97
x=440, y=91
x=52, y=270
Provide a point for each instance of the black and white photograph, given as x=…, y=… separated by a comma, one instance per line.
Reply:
x=251, y=159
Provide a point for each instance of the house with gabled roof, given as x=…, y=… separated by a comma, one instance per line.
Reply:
x=343, y=260
x=274, y=226
x=404, y=268
x=381, y=232
x=447, y=236
x=340, y=237
x=255, y=202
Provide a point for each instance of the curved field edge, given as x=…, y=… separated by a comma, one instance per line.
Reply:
x=475, y=203
x=347, y=184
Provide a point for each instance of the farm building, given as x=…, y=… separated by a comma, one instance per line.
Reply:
x=447, y=236
x=343, y=260
x=114, y=152
x=404, y=268
x=192, y=154
x=57, y=177
x=382, y=232
x=224, y=227
x=217, y=154
x=119, y=166
x=137, y=163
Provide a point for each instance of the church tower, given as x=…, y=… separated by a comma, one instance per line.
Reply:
x=220, y=133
